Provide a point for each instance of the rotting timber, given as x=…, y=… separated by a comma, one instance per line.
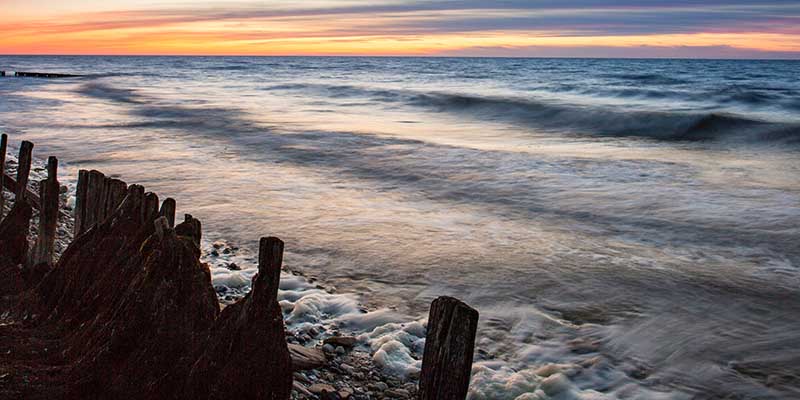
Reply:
x=128, y=310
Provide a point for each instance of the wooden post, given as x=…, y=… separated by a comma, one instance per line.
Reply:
x=270, y=261
x=150, y=208
x=162, y=227
x=115, y=193
x=449, y=348
x=96, y=198
x=168, y=211
x=190, y=227
x=3, y=148
x=48, y=216
x=24, y=169
x=80, y=201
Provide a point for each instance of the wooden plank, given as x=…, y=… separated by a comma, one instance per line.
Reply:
x=115, y=193
x=49, y=190
x=24, y=169
x=150, y=208
x=168, y=211
x=3, y=149
x=11, y=184
x=449, y=348
x=80, y=202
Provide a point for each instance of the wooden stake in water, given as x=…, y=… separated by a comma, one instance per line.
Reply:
x=24, y=169
x=449, y=347
x=48, y=216
x=270, y=262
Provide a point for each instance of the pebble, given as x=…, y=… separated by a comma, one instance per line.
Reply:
x=233, y=267
x=344, y=341
x=397, y=393
x=378, y=386
x=320, y=388
x=328, y=348
x=340, y=350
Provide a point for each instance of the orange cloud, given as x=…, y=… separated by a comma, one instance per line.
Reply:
x=306, y=33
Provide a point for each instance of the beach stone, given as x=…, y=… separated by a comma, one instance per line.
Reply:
x=328, y=348
x=344, y=341
x=233, y=267
x=378, y=387
x=345, y=393
x=300, y=388
x=340, y=350
x=397, y=393
x=320, y=388
x=305, y=358
x=347, y=368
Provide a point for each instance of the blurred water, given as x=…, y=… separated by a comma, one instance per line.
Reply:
x=635, y=218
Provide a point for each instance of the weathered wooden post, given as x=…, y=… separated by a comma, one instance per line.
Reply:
x=190, y=227
x=96, y=198
x=115, y=193
x=80, y=201
x=48, y=216
x=162, y=227
x=23, y=169
x=149, y=208
x=270, y=262
x=3, y=148
x=449, y=348
x=168, y=211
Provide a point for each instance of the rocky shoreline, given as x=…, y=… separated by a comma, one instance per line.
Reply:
x=326, y=362
x=336, y=364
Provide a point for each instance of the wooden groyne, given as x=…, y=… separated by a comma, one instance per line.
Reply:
x=128, y=309
x=22, y=74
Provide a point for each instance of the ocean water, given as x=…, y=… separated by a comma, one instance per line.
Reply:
x=626, y=228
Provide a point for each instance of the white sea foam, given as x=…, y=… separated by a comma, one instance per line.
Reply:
x=546, y=370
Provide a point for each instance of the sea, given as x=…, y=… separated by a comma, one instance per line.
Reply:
x=626, y=228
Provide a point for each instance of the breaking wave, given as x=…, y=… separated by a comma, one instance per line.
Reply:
x=599, y=120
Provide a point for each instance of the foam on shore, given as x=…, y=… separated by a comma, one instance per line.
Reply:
x=549, y=370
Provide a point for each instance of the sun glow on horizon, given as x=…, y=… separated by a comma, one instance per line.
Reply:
x=392, y=28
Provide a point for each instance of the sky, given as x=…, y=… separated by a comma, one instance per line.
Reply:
x=500, y=28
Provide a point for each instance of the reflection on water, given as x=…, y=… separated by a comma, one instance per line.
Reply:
x=559, y=197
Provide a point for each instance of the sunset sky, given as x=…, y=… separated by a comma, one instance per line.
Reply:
x=560, y=28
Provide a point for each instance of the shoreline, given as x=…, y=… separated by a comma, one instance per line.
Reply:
x=338, y=362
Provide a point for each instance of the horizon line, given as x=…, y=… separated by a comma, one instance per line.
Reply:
x=399, y=56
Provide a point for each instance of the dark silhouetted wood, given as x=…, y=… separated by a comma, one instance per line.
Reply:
x=3, y=148
x=80, y=201
x=168, y=211
x=96, y=198
x=42, y=75
x=11, y=184
x=449, y=348
x=162, y=227
x=24, y=169
x=150, y=208
x=270, y=261
x=190, y=227
x=115, y=193
x=48, y=216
